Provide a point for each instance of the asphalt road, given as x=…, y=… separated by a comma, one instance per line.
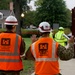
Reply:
x=67, y=67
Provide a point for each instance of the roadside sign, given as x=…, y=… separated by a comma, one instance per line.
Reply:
x=55, y=26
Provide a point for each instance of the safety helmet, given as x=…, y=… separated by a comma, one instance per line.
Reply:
x=11, y=20
x=44, y=27
x=61, y=28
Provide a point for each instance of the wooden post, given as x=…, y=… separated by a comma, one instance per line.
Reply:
x=73, y=26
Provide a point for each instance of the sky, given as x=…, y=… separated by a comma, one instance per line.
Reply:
x=69, y=3
x=32, y=4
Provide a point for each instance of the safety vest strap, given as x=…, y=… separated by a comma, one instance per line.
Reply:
x=15, y=53
x=9, y=60
x=45, y=59
x=16, y=45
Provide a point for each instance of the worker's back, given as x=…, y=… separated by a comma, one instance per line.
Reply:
x=43, y=52
x=10, y=52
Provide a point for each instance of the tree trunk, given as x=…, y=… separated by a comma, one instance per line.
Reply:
x=17, y=11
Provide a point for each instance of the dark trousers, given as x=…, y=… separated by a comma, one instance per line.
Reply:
x=9, y=73
x=54, y=74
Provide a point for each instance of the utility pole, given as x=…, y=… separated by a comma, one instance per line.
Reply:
x=73, y=26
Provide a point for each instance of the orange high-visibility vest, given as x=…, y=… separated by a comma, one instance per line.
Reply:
x=45, y=53
x=10, y=52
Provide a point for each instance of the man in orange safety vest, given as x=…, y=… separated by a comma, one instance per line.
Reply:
x=11, y=47
x=45, y=51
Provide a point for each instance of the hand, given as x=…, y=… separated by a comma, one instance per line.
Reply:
x=22, y=55
x=33, y=38
x=71, y=40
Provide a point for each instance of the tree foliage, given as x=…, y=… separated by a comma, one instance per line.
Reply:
x=4, y=4
x=53, y=11
x=20, y=6
x=38, y=3
x=29, y=18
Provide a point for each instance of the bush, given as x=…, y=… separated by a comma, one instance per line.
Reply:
x=28, y=32
x=2, y=30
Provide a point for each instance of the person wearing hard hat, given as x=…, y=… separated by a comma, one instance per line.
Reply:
x=45, y=51
x=11, y=47
x=60, y=38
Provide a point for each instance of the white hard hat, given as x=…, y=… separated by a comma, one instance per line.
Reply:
x=61, y=28
x=11, y=20
x=44, y=27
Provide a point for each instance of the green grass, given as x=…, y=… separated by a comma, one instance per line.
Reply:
x=28, y=42
x=27, y=64
x=28, y=67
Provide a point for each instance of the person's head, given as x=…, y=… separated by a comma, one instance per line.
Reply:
x=11, y=23
x=44, y=28
x=61, y=29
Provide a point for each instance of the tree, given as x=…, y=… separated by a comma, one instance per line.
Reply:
x=17, y=11
x=53, y=11
x=4, y=4
x=20, y=6
x=38, y=3
x=29, y=18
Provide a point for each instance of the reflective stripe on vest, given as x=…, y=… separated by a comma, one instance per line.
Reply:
x=45, y=59
x=11, y=54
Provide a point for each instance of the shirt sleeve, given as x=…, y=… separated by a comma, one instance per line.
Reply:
x=22, y=47
x=66, y=53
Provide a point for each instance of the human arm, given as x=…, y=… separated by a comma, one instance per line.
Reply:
x=22, y=47
x=29, y=55
x=66, y=53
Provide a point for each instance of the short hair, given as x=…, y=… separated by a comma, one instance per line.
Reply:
x=9, y=27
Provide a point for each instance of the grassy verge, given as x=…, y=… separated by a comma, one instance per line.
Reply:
x=28, y=42
x=28, y=65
